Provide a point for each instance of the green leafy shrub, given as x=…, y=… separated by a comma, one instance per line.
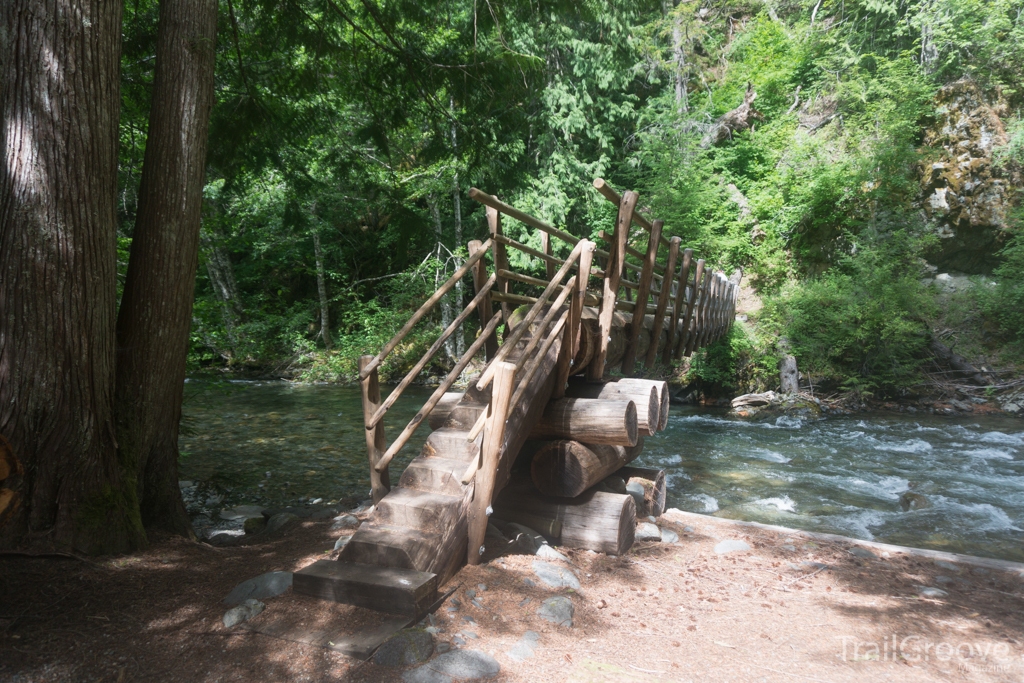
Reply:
x=862, y=323
x=738, y=362
x=1006, y=305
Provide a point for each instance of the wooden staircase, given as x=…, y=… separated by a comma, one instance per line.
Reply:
x=434, y=519
x=419, y=530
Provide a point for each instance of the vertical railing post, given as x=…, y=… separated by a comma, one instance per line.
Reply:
x=674, y=333
x=642, y=294
x=380, y=482
x=500, y=257
x=659, y=314
x=691, y=312
x=494, y=436
x=573, y=330
x=545, y=246
x=483, y=308
x=700, y=286
x=732, y=305
x=710, y=311
x=612, y=276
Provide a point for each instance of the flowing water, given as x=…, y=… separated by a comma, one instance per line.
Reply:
x=274, y=443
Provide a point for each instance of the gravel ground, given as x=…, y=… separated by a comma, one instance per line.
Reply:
x=787, y=608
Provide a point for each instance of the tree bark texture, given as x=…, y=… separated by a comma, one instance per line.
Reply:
x=156, y=307
x=58, y=185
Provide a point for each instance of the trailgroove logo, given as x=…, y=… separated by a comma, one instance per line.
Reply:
x=981, y=656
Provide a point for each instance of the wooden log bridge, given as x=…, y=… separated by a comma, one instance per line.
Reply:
x=561, y=374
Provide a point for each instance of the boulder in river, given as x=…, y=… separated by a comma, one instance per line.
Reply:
x=913, y=501
x=770, y=403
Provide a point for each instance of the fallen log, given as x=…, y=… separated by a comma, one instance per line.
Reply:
x=594, y=421
x=652, y=481
x=598, y=521
x=739, y=119
x=946, y=355
x=567, y=468
x=647, y=400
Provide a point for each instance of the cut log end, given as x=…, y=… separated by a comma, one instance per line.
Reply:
x=592, y=421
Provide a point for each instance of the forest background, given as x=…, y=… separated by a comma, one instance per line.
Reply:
x=346, y=135
x=312, y=158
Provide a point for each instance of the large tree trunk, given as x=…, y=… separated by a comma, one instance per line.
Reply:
x=156, y=308
x=58, y=187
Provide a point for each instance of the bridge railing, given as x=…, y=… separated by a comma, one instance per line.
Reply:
x=380, y=454
x=697, y=306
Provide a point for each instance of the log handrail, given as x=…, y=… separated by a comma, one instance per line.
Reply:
x=526, y=218
x=417, y=420
x=431, y=352
x=422, y=311
x=611, y=195
x=519, y=246
x=517, y=333
x=659, y=271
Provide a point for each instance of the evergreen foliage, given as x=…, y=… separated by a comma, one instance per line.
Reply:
x=363, y=124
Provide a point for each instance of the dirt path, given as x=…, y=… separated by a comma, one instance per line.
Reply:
x=787, y=609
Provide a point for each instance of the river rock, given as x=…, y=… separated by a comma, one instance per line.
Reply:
x=647, y=532
x=555, y=576
x=455, y=664
x=324, y=513
x=636, y=489
x=913, y=501
x=929, y=592
x=241, y=512
x=409, y=646
x=264, y=586
x=858, y=551
x=244, y=612
x=669, y=536
x=558, y=609
x=342, y=542
x=281, y=520
x=546, y=552
x=225, y=537
x=345, y=521
x=525, y=648
x=731, y=546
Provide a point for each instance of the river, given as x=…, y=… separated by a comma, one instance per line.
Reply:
x=276, y=443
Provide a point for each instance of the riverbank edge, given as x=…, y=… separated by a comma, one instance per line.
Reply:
x=974, y=560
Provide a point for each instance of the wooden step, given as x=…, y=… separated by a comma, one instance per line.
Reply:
x=390, y=546
x=436, y=473
x=453, y=444
x=416, y=509
x=464, y=415
x=385, y=589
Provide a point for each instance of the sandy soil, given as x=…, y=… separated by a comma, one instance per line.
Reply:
x=662, y=613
